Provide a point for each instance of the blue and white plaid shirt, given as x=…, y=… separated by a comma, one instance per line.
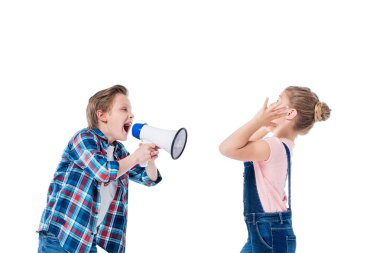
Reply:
x=73, y=199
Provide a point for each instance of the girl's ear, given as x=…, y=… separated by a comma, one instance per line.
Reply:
x=291, y=114
x=101, y=116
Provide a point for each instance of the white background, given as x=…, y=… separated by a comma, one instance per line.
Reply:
x=207, y=66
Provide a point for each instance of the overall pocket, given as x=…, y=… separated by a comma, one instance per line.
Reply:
x=284, y=239
x=291, y=244
x=264, y=233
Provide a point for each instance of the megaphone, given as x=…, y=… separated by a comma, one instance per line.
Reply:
x=171, y=141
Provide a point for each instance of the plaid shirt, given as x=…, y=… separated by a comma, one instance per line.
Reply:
x=73, y=200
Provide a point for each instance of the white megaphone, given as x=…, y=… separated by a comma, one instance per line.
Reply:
x=172, y=141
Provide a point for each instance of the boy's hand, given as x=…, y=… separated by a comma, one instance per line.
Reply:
x=145, y=152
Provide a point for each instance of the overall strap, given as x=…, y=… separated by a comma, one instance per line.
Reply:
x=289, y=175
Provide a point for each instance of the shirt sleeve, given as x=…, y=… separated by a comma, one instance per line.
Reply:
x=86, y=153
x=139, y=175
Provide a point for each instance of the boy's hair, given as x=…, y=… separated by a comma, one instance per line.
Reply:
x=102, y=100
x=309, y=108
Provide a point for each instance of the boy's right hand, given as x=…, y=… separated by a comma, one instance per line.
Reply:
x=145, y=152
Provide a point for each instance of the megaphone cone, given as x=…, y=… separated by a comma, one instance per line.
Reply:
x=172, y=141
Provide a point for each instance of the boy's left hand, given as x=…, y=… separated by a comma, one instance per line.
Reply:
x=154, y=154
x=151, y=168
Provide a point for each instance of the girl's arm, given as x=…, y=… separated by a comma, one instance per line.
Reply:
x=239, y=145
x=259, y=134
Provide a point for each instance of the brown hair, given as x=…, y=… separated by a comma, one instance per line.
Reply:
x=102, y=100
x=309, y=108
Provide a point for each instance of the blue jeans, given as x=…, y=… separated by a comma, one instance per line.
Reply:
x=270, y=233
x=50, y=244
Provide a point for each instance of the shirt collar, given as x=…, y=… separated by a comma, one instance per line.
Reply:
x=105, y=139
x=100, y=134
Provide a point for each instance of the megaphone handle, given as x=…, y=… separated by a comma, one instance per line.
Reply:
x=144, y=164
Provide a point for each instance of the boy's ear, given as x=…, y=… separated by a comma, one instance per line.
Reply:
x=291, y=114
x=101, y=116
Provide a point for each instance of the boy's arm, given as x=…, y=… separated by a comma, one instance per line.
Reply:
x=130, y=168
x=85, y=153
x=126, y=164
x=131, y=161
x=148, y=176
x=152, y=171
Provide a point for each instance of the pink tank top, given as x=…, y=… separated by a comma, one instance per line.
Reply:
x=271, y=175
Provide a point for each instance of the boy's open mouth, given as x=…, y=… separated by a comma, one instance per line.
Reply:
x=127, y=126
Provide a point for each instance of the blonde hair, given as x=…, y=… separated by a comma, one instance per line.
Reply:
x=309, y=108
x=102, y=100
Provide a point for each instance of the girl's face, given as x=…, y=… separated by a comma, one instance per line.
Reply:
x=119, y=119
x=282, y=100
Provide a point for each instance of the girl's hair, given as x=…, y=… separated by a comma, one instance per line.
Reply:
x=102, y=100
x=309, y=108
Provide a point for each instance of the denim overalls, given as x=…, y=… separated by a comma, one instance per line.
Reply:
x=267, y=232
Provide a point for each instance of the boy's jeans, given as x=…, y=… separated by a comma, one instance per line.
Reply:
x=50, y=244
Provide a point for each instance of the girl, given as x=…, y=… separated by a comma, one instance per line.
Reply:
x=268, y=219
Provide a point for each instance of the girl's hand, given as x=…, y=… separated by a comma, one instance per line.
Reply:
x=267, y=114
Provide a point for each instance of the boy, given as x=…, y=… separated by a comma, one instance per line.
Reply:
x=88, y=197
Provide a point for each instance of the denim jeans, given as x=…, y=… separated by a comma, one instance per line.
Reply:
x=270, y=233
x=50, y=244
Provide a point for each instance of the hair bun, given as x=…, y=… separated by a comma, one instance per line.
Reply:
x=321, y=111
